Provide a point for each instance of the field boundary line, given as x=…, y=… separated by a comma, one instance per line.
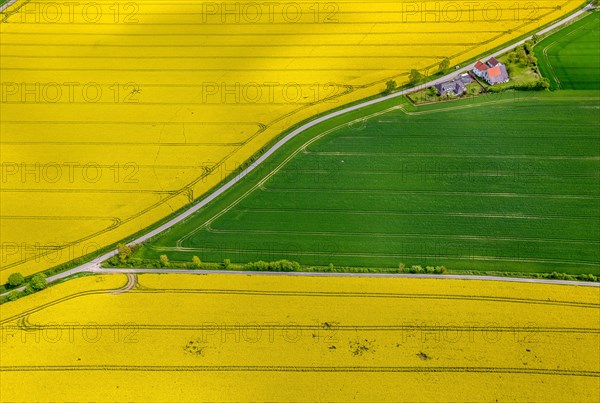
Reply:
x=294, y=368
x=346, y=328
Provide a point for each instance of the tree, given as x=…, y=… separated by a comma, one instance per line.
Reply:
x=38, y=282
x=445, y=64
x=521, y=56
x=226, y=263
x=390, y=86
x=414, y=76
x=164, y=261
x=16, y=279
x=432, y=93
x=197, y=262
x=124, y=252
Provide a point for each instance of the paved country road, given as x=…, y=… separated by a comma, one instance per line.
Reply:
x=133, y=271
x=94, y=265
x=7, y=5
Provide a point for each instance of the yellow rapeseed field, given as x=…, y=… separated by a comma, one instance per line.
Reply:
x=266, y=338
x=116, y=114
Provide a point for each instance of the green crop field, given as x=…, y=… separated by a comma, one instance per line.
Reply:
x=506, y=183
x=569, y=58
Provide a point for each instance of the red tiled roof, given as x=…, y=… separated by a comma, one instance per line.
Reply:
x=480, y=66
x=493, y=62
x=494, y=71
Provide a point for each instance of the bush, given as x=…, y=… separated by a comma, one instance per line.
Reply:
x=280, y=265
x=587, y=277
x=226, y=263
x=38, y=282
x=13, y=296
x=557, y=276
x=440, y=269
x=257, y=266
x=28, y=289
x=196, y=262
x=125, y=252
x=16, y=279
x=539, y=85
x=164, y=261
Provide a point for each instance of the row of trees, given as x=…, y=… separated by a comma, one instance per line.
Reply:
x=279, y=265
x=416, y=269
x=36, y=283
x=414, y=76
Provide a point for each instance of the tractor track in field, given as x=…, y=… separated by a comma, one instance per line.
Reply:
x=93, y=266
x=440, y=193
x=398, y=235
x=415, y=213
x=273, y=368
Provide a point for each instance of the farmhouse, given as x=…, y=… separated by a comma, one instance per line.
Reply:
x=480, y=69
x=455, y=87
x=492, y=71
x=497, y=75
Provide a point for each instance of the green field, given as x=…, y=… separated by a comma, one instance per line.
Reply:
x=504, y=183
x=509, y=182
x=569, y=58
